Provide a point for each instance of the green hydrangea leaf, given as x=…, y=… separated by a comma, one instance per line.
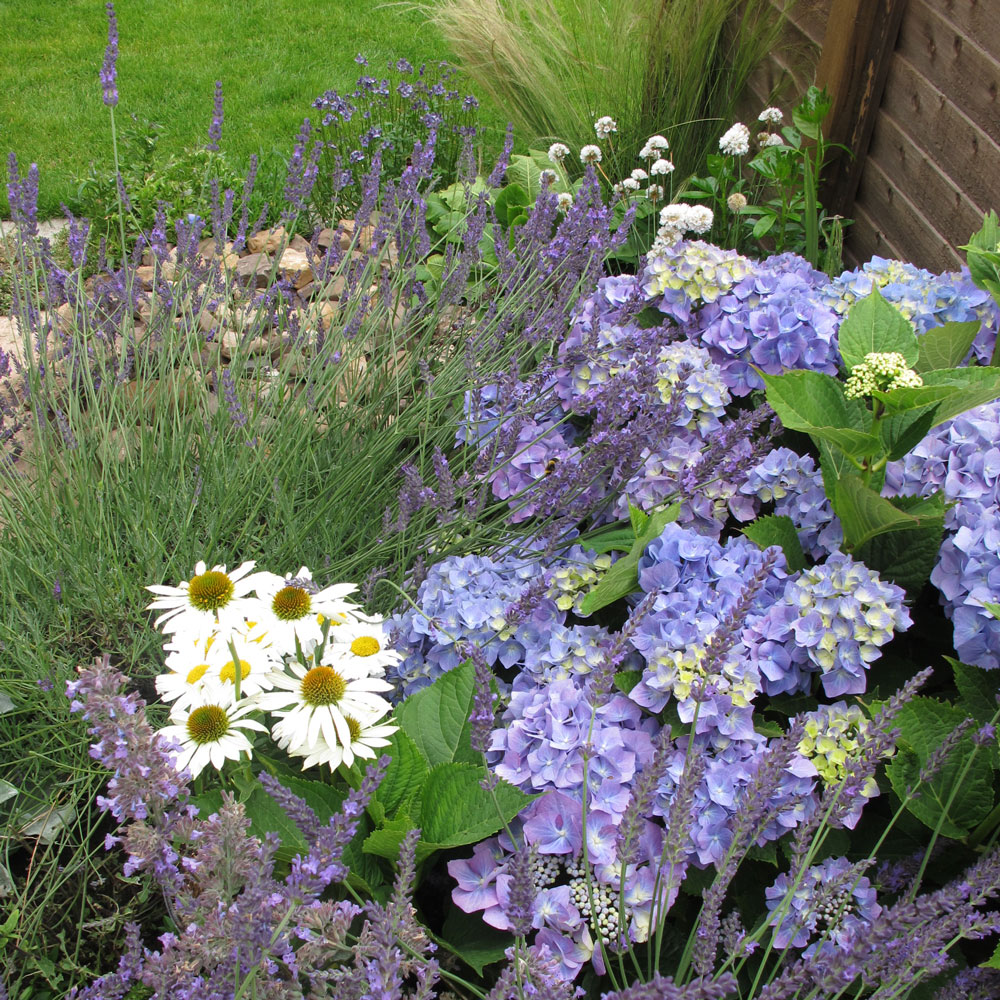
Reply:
x=777, y=529
x=945, y=346
x=864, y=514
x=473, y=940
x=405, y=773
x=873, y=325
x=436, y=718
x=924, y=723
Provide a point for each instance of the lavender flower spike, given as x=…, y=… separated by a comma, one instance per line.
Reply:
x=109, y=71
x=215, y=129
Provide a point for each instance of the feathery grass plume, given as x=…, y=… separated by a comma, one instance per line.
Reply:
x=654, y=65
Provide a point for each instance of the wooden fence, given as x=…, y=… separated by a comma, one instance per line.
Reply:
x=916, y=85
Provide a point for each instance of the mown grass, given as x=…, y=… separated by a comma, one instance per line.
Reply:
x=273, y=58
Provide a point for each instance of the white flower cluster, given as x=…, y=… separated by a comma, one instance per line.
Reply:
x=736, y=142
x=241, y=644
x=655, y=147
x=558, y=152
x=678, y=219
x=880, y=371
x=590, y=154
x=605, y=127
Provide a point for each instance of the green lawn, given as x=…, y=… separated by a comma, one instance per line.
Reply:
x=273, y=57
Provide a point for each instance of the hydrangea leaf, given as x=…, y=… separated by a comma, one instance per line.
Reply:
x=864, y=514
x=907, y=557
x=873, y=325
x=623, y=577
x=815, y=403
x=977, y=690
x=473, y=940
x=456, y=810
x=384, y=842
x=405, y=773
x=993, y=962
x=778, y=529
x=945, y=346
x=902, y=432
x=625, y=680
x=436, y=718
x=923, y=724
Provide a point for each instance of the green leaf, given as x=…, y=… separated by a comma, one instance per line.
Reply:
x=864, y=514
x=873, y=325
x=623, y=577
x=809, y=113
x=7, y=790
x=993, y=609
x=924, y=723
x=384, y=842
x=404, y=775
x=763, y=226
x=902, y=432
x=617, y=540
x=993, y=962
x=638, y=519
x=979, y=385
x=510, y=203
x=625, y=680
x=777, y=529
x=907, y=557
x=436, y=718
x=945, y=346
x=473, y=940
x=815, y=403
x=455, y=809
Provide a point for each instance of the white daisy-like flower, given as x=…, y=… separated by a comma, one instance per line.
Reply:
x=655, y=146
x=363, y=645
x=315, y=701
x=188, y=672
x=639, y=174
x=590, y=154
x=210, y=732
x=211, y=599
x=736, y=141
x=558, y=152
x=294, y=606
x=564, y=201
x=365, y=739
x=771, y=116
x=662, y=167
x=255, y=658
x=605, y=127
x=630, y=184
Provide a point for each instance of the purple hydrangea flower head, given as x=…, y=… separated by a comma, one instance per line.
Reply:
x=833, y=901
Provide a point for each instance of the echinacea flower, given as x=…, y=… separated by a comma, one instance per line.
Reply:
x=293, y=606
x=210, y=600
x=210, y=733
x=362, y=645
x=364, y=739
x=316, y=701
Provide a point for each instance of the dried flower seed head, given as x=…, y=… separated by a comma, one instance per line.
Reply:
x=765, y=139
x=564, y=201
x=736, y=201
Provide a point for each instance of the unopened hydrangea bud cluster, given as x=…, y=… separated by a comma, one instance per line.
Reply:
x=242, y=643
x=880, y=371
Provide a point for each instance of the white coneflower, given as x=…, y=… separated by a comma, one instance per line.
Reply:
x=209, y=732
x=655, y=146
x=630, y=184
x=294, y=606
x=558, y=152
x=736, y=201
x=315, y=701
x=564, y=201
x=362, y=645
x=604, y=127
x=210, y=600
x=736, y=141
x=590, y=154
x=662, y=167
x=771, y=116
x=365, y=738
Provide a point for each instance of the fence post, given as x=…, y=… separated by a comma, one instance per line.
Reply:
x=853, y=66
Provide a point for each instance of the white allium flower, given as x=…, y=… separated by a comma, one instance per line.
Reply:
x=771, y=116
x=590, y=154
x=699, y=219
x=655, y=145
x=662, y=167
x=736, y=201
x=736, y=142
x=639, y=174
x=604, y=127
x=630, y=184
x=765, y=139
x=209, y=733
x=564, y=201
x=558, y=152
